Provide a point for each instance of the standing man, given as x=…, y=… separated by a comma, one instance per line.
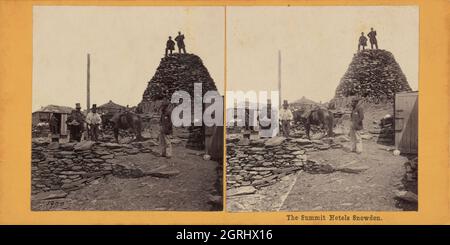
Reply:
x=54, y=127
x=53, y=124
x=166, y=130
x=170, y=46
x=93, y=121
x=180, y=43
x=286, y=118
x=373, y=38
x=76, y=123
x=357, y=117
x=362, y=41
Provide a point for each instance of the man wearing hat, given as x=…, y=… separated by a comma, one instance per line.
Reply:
x=286, y=117
x=180, y=43
x=362, y=42
x=75, y=123
x=170, y=46
x=53, y=124
x=373, y=38
x=357, y=117
x=93, y=121
x=166, y=129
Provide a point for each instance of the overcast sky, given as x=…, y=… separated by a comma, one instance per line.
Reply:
x=126, y=45
x=317, y=45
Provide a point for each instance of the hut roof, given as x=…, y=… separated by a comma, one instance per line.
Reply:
x=111, y=105
x=304, y=100
x=56, y=109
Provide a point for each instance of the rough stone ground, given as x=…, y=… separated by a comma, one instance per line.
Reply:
x=266, y=199
x=189, y=190
x=373, y=189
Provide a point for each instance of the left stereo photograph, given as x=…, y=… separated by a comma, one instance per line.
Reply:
x=127, y=108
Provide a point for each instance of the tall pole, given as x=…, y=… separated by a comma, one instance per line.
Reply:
x=279, y=85
x=279, y=78
x=88, y=104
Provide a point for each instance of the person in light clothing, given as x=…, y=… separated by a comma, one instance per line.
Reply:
x=93, y=121
x=286, y=117
x=357, y=117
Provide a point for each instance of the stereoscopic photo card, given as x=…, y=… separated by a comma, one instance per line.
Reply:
x=225, y=112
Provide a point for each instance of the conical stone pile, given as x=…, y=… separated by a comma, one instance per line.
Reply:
x=178, y=72
x=373, y=75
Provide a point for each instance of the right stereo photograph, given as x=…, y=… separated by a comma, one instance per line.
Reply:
x=322, y=108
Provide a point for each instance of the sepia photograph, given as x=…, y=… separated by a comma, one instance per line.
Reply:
x=174, y=118
x=327, y=116
x=107, y=82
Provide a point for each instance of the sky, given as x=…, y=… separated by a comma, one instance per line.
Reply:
x=316, y=43
x=126, y=45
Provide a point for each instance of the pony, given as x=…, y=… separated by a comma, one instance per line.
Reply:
x=127, y=120
x=320, y=117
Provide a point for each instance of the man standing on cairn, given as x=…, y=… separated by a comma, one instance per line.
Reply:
x=373, y=38
x=362, y=42
x=180, y=43
x=170, y=46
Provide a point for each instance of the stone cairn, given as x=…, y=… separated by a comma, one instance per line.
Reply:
x=70, y=166
x=373, y=75
x=261, y=162
x=179, y=72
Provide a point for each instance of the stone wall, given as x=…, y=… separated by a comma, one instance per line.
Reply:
x=71, y=166
x=262, y=162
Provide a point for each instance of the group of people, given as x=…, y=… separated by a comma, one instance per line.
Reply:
x=76, y=122
x=363, y=40
x=170, y=44
x=356, y=117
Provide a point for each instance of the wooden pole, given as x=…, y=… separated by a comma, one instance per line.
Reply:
x=279, y=79
x=88, y=103
x=279, y=85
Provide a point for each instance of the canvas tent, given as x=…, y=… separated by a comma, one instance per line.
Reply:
x=406, y=122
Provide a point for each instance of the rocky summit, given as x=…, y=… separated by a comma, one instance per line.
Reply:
x=373, y=75
x=177, y=72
